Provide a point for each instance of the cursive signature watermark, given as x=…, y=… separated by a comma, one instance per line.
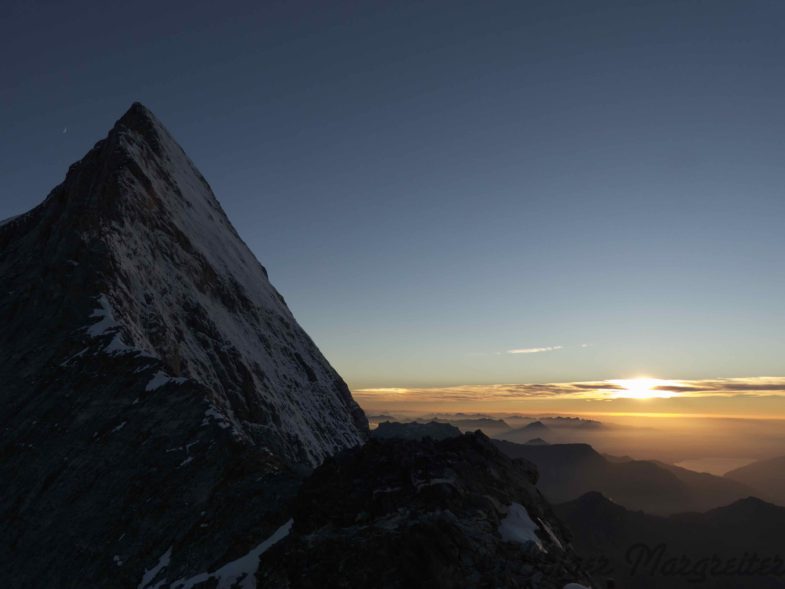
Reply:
x=657, y=560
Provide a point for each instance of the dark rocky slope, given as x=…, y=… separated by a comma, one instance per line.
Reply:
x=159, y=403
x=439, y=514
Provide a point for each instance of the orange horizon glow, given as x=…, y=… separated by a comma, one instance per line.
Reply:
x=761, y=397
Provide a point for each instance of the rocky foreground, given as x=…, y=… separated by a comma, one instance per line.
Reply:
x=161, y=411
x=406, y=513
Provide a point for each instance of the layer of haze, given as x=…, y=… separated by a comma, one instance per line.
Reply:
x=455, y=192
x=700, y=443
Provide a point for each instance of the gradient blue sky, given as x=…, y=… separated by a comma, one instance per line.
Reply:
x=433, y=184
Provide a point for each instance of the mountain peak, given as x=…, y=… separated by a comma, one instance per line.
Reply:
x=162, y=263
x=746, y=507
x=139, y=108
x=138, y=117
x=535, y=426
x=153, y=379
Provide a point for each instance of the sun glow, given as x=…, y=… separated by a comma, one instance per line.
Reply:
x=642, y=388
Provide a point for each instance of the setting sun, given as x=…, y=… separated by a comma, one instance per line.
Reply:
x=642, y=388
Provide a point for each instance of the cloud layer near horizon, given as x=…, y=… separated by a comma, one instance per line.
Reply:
x=605, y=390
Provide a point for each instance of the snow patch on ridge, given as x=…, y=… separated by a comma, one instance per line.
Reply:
x=221, y=419
x=551, y=533
x=240, y=573
x=161, y=378
x=431, y=482
x=150, y=574
x=517, y=526
x=70, y=359
x=107, y=325
x=106, y=320
x=188, y=292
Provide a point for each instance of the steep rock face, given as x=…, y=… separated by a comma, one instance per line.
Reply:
x=156, y=391
x=405, y=513
x=154, y=268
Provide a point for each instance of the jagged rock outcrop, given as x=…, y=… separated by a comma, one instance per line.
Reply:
x=440, y=514
x=414, y=430
x=158, y=397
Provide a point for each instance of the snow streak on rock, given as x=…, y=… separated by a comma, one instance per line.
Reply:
x=156, y=389
x=188, y=291
x=517, y=526
x=240, y=573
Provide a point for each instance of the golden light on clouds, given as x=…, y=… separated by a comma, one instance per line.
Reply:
x=727, y=396
x=643, y=388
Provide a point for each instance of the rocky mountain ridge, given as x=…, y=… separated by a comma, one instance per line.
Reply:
x=398, y=513
x=158, y=396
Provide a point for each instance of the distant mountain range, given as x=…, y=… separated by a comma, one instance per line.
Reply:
x=524, y=433
x=572, y=422
x=487, y=425
x=716, y=549
x=552, y=429
x=415, y=431
x=506, y=428
x=766, y=476
x=537, y=442
x=567, y=471
x=570, y=470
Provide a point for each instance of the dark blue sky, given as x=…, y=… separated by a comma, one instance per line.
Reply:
x=433, y=184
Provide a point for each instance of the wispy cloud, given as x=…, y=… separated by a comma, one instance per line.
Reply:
x=535, y=350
